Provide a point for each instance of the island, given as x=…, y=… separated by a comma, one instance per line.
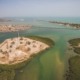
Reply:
x=74, y=61
x=13, y=28
x=73, y=25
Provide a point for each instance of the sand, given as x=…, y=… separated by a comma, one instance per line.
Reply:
x=18, y=49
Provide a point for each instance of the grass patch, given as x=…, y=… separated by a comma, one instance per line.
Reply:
x=7, y=75
x=42, y=39
x=74, y=42
x=74, y=68
x=74, y=62
x=77, y=50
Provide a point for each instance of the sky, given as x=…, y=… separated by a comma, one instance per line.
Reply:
x=39, y=8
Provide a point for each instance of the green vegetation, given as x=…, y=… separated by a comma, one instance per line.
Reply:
x=42, y=39
x=77, y=50
x=74, y=42
x=74, y=68
x=74, y=62
x=7, y=75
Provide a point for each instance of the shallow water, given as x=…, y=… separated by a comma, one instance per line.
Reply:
x=51, y=65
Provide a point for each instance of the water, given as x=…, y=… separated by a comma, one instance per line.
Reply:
x=51, y=65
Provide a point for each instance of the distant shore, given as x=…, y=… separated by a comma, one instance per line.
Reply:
x=13, y=28
x=76, y=26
